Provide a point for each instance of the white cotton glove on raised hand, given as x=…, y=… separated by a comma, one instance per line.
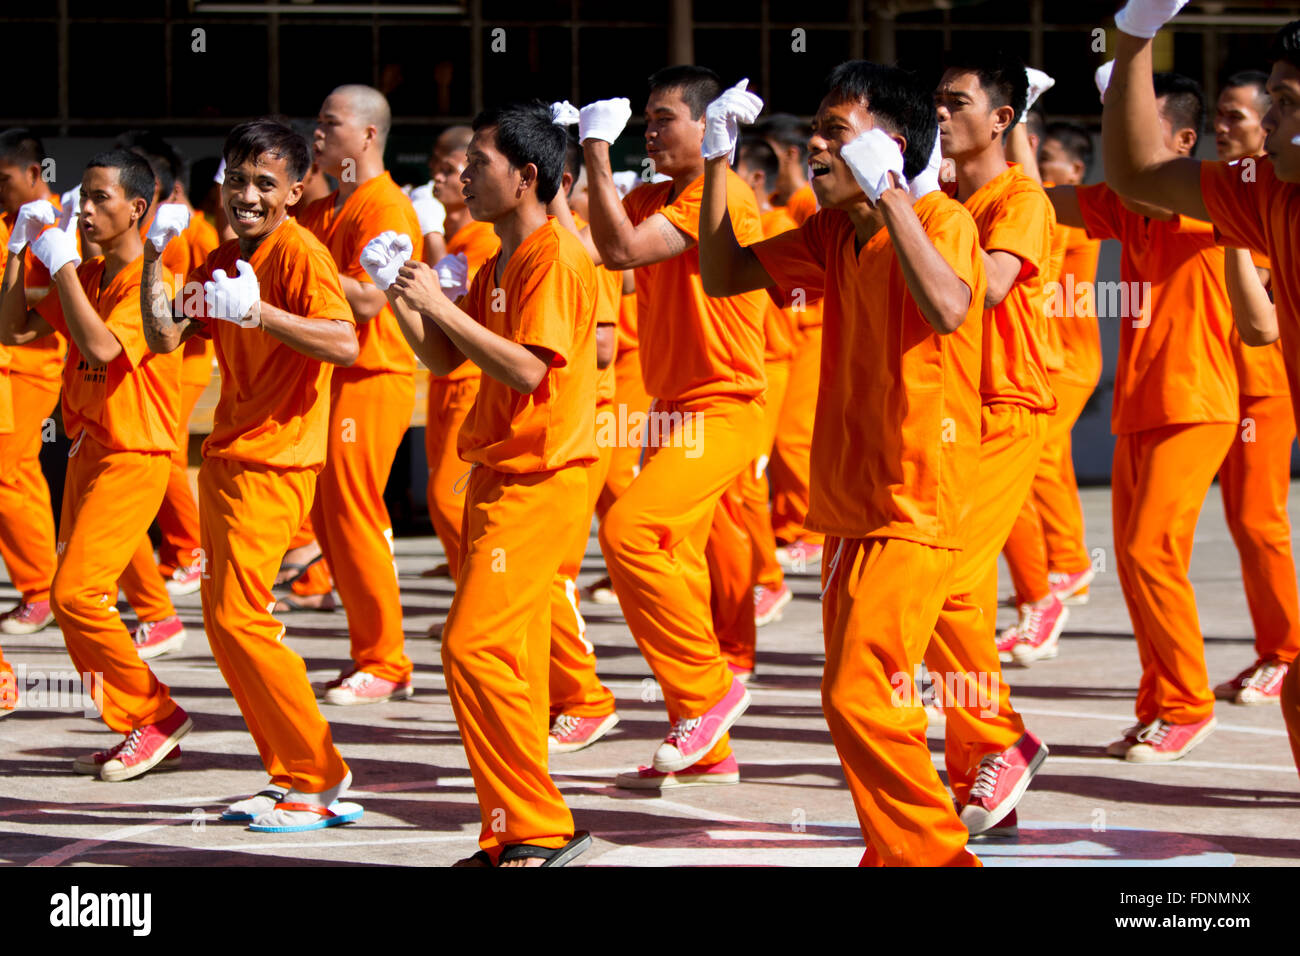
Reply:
x=71, y=209
x=431, y=213
x=723, y=117
x=168, y=222
x=871, y=157
x=927, y=180
x=1144, y=18
x=55, y=249
x=1102, y=78
x=453, y=275
x=384, y=256
x=1039, y=83
x=604, y=119
x=564, y=113
x=32, y=219
x=231, y=298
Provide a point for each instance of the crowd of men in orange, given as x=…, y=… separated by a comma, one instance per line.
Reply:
x=859, y=347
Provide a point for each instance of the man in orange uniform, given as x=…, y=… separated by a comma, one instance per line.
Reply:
x=370, y=402
x=702, y=362
x=990, y=756
x=273, y=305
x=27, y=531
x=452, y=395
x=1175, y=414
x=8, y=682
x=529, y=322
x=1255, y=478
x=120, y=403
x=895, y=267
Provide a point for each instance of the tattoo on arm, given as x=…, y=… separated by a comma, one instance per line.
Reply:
x=673, y=238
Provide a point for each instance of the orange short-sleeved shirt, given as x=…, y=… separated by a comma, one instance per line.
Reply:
x=1054, y=346
x=1261, y=370
x=801, y=205
x=275, y=401
x=479, y=242
x=693, y=345
x=378, y=205
x=1076, y=317
x=550, y=302
x=609, y=292
x=1175, y=359
x=6, y=392
x=201, y=239
x=897, y=430
x=780, y=323
x=133, y=402
x=1014, y=215
x=43, y=358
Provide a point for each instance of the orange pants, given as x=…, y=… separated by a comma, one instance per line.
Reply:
x=495, y=648
x=369, y=412
x=109, y=500
x=1048, y=533
x=574, y=687
x=963, y=656
x=654, y=544
x=27, y=526
x=882, y=599
x=316, y=579
x=790, y=468
x=247, y=516
x=625, y=459
x=1158, y=483
x=178, y=518
x=1255, y=479
x=449, y=403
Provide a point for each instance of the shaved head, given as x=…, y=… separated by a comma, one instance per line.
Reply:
x=367, y=106
x=454, y=139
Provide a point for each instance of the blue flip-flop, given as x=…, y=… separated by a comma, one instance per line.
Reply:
x=232, y=817
x=336, y=813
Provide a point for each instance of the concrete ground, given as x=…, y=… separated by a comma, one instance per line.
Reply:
x=1232, y=802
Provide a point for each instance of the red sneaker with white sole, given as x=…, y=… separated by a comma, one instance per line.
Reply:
x=693, y=737
x=1160, y=741
x=601, y=592
x=93, y=763
x=1125, y=743
x=725, y=770
x=1006, y=643
x=183, y=581
x=1008, y=828
x=156, y=638
x=27, y=618
x=570, y=734
x=1001, y=782
x=768, y=603
x=1038, y=632
x=8, y=690
x=146, y=747
x=1071, y=587
x=1260, y=683
x=362, y=687
x=801, y=557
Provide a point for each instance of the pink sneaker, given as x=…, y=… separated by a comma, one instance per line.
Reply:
x=145, y=748
x=1006, y=643
x=742, y=674
x=361, y=687
x=601, y=592
x=1071, y=587
x=8, y=691
x=1160, y=741
x=93, y=763
x=693, y=737
x=1038, y=632
x=1008, y=828
x=156, y=638
x=1001, y=782
x=768, y=604
x=801, y=557
x=725, y=770
x=1125, y=743
x=570, y=734
x=1260, y=683
x=27, y=618
x=184, y=581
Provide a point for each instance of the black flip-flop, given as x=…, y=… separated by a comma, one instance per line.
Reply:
x=298, y=570
x=481, y=858
x=562, y=857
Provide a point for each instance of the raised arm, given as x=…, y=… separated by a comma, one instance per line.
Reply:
x=944, y=299
x=1252, y=309
x=726, y=267
x=164, y=330
x=18, y=324
x=617, y=243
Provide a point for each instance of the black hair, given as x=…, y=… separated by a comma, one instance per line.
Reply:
x=572, y=157
x=21, y=147
x=525, y=134
x=165, y=161
x=134, y=173
x=788, y=130
x=699, y=86
x=1285, y=46
x=1074, y=139
x=1256, y=79
x=1184, y=101
x=898, y=101
x=755, y=153
x=1001, y=76
x=250, y=140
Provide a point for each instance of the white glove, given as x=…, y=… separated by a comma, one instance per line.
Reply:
x=1144, y=18
x=722, y=121
x=384, y=256
x=232, y=299
x=431, y=213
x=1039, y=83
x=927, y=180
x=453, y=275
x=603, y=119
x=33, y=217
x=55, y=248
x=71, y=203
x=168, y=222
x=625, y=181
x=564, y=113
x=219, y=177
x=871, y=157
x=1102, y=77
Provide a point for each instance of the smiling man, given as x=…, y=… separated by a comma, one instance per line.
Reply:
x=274, y=308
